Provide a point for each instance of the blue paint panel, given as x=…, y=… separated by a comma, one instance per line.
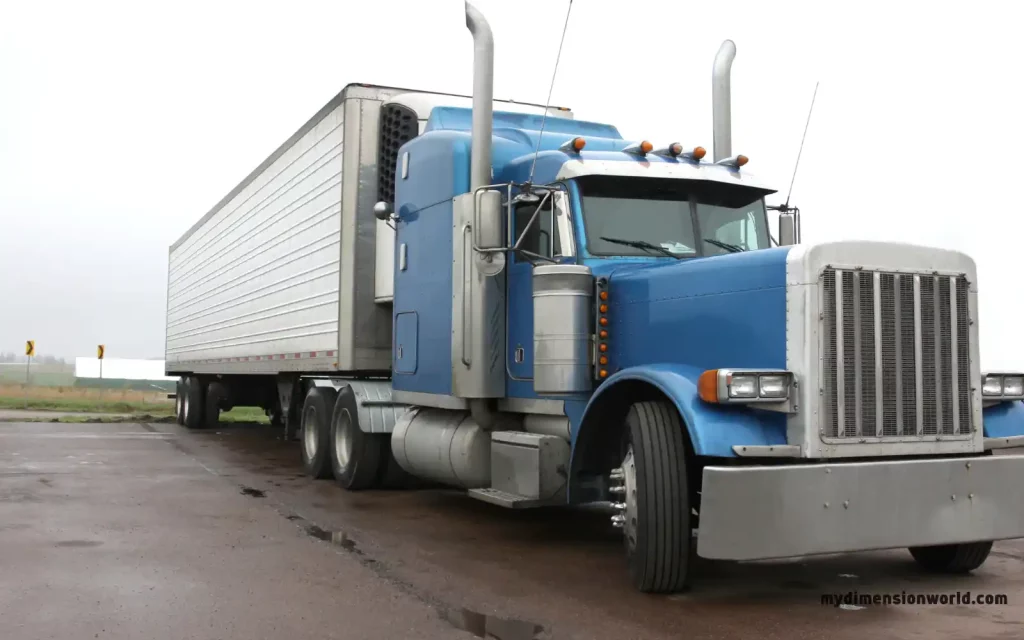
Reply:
x=519, y=322
x=707, y=313
x=1003, y=420
x=713, y=429
x=438, y=170
x=406, y=337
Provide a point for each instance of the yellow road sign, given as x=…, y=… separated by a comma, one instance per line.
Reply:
x=30, y=347
x=99, y=351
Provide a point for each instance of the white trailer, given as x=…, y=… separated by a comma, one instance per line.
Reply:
x=290, y=276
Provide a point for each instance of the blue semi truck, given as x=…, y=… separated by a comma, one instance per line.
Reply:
x=502, y=298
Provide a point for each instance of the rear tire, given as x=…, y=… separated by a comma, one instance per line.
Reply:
x=952, y=558
x=657, y=515
x=216, y=394
x=356, y=457
x=194, y=403
x=179, y=402
x=316, y=432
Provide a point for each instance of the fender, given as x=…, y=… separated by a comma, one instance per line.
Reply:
x=1003, y=420
x=713, y=429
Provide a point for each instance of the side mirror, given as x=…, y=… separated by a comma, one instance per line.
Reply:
x=787, y=230
x=487, y=221
x=383, y=210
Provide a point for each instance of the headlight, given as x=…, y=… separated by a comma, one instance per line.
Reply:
x=1013, y=386
x=774, y=386
x=992, y=386
x=1002, y=386
x=742, y=386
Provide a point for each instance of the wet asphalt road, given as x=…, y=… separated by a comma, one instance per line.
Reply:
x=130, y=531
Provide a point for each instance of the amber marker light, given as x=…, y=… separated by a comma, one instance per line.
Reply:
x=707, y=386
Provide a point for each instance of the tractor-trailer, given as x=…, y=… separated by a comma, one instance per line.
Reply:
x=509, y=300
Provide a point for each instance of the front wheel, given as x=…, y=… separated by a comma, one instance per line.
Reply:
x=952, y=558
x=655, y=506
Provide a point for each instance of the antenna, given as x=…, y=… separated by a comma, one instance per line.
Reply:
x=785, y=207
x=547, y=104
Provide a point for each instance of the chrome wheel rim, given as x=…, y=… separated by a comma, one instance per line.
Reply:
x=629, y=525
x=343, y=438
x=309, y=434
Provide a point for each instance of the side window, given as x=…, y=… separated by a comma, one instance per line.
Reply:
x=540, y=235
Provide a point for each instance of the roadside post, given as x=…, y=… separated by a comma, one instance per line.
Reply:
x=99, y=355
x=30, y=350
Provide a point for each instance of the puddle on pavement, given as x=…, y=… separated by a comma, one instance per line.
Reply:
x=485, y=626
x=253, y=493
x=336, y=538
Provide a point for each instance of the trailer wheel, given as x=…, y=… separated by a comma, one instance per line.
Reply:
x=193, y=409
x=216, y=394
x=655, y=516
x=952, y=558
x=179, y=402
x=356, y=457
x=316, y=432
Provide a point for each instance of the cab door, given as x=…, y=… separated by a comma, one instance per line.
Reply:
x=549, y=236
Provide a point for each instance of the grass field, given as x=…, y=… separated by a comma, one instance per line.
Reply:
x=48, y=375
x=90, y=400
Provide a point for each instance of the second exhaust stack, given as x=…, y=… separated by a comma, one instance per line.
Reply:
x=721, y=100
x=483, y=97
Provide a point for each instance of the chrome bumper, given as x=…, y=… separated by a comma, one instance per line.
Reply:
x=756, y=513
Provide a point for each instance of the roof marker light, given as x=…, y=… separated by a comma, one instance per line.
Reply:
x=671, y=151
x=640, y=148
x=735, y=161
x=697, y=153
x=573, y=146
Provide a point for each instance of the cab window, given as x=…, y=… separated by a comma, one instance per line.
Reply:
x=540, y=235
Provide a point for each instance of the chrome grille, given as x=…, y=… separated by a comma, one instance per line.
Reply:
x=896, y=358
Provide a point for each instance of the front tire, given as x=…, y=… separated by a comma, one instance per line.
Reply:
x=952, y=558
x=315, y=428
x=656, y=517
x=356, y=457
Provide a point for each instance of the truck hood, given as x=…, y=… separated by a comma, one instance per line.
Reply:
x=721, y=311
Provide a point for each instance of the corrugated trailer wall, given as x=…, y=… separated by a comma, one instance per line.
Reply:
x=258, y=279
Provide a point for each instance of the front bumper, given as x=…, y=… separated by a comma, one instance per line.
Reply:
x=756, y=513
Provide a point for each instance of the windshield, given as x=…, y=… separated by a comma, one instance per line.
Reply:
x=684, y=218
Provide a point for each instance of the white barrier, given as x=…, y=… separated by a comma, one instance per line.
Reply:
x=121, y=369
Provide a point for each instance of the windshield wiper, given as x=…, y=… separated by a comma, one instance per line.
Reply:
x=643, y=244
x=731, y=248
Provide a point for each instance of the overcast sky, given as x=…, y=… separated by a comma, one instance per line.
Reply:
x=122, y=123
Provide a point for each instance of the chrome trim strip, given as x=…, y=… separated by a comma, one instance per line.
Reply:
x=918, y=365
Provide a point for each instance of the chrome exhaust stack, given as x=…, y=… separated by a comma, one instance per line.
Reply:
x=721, y=100
x=483, y=97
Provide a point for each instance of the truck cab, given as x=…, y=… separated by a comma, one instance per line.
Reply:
x=623, y=330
